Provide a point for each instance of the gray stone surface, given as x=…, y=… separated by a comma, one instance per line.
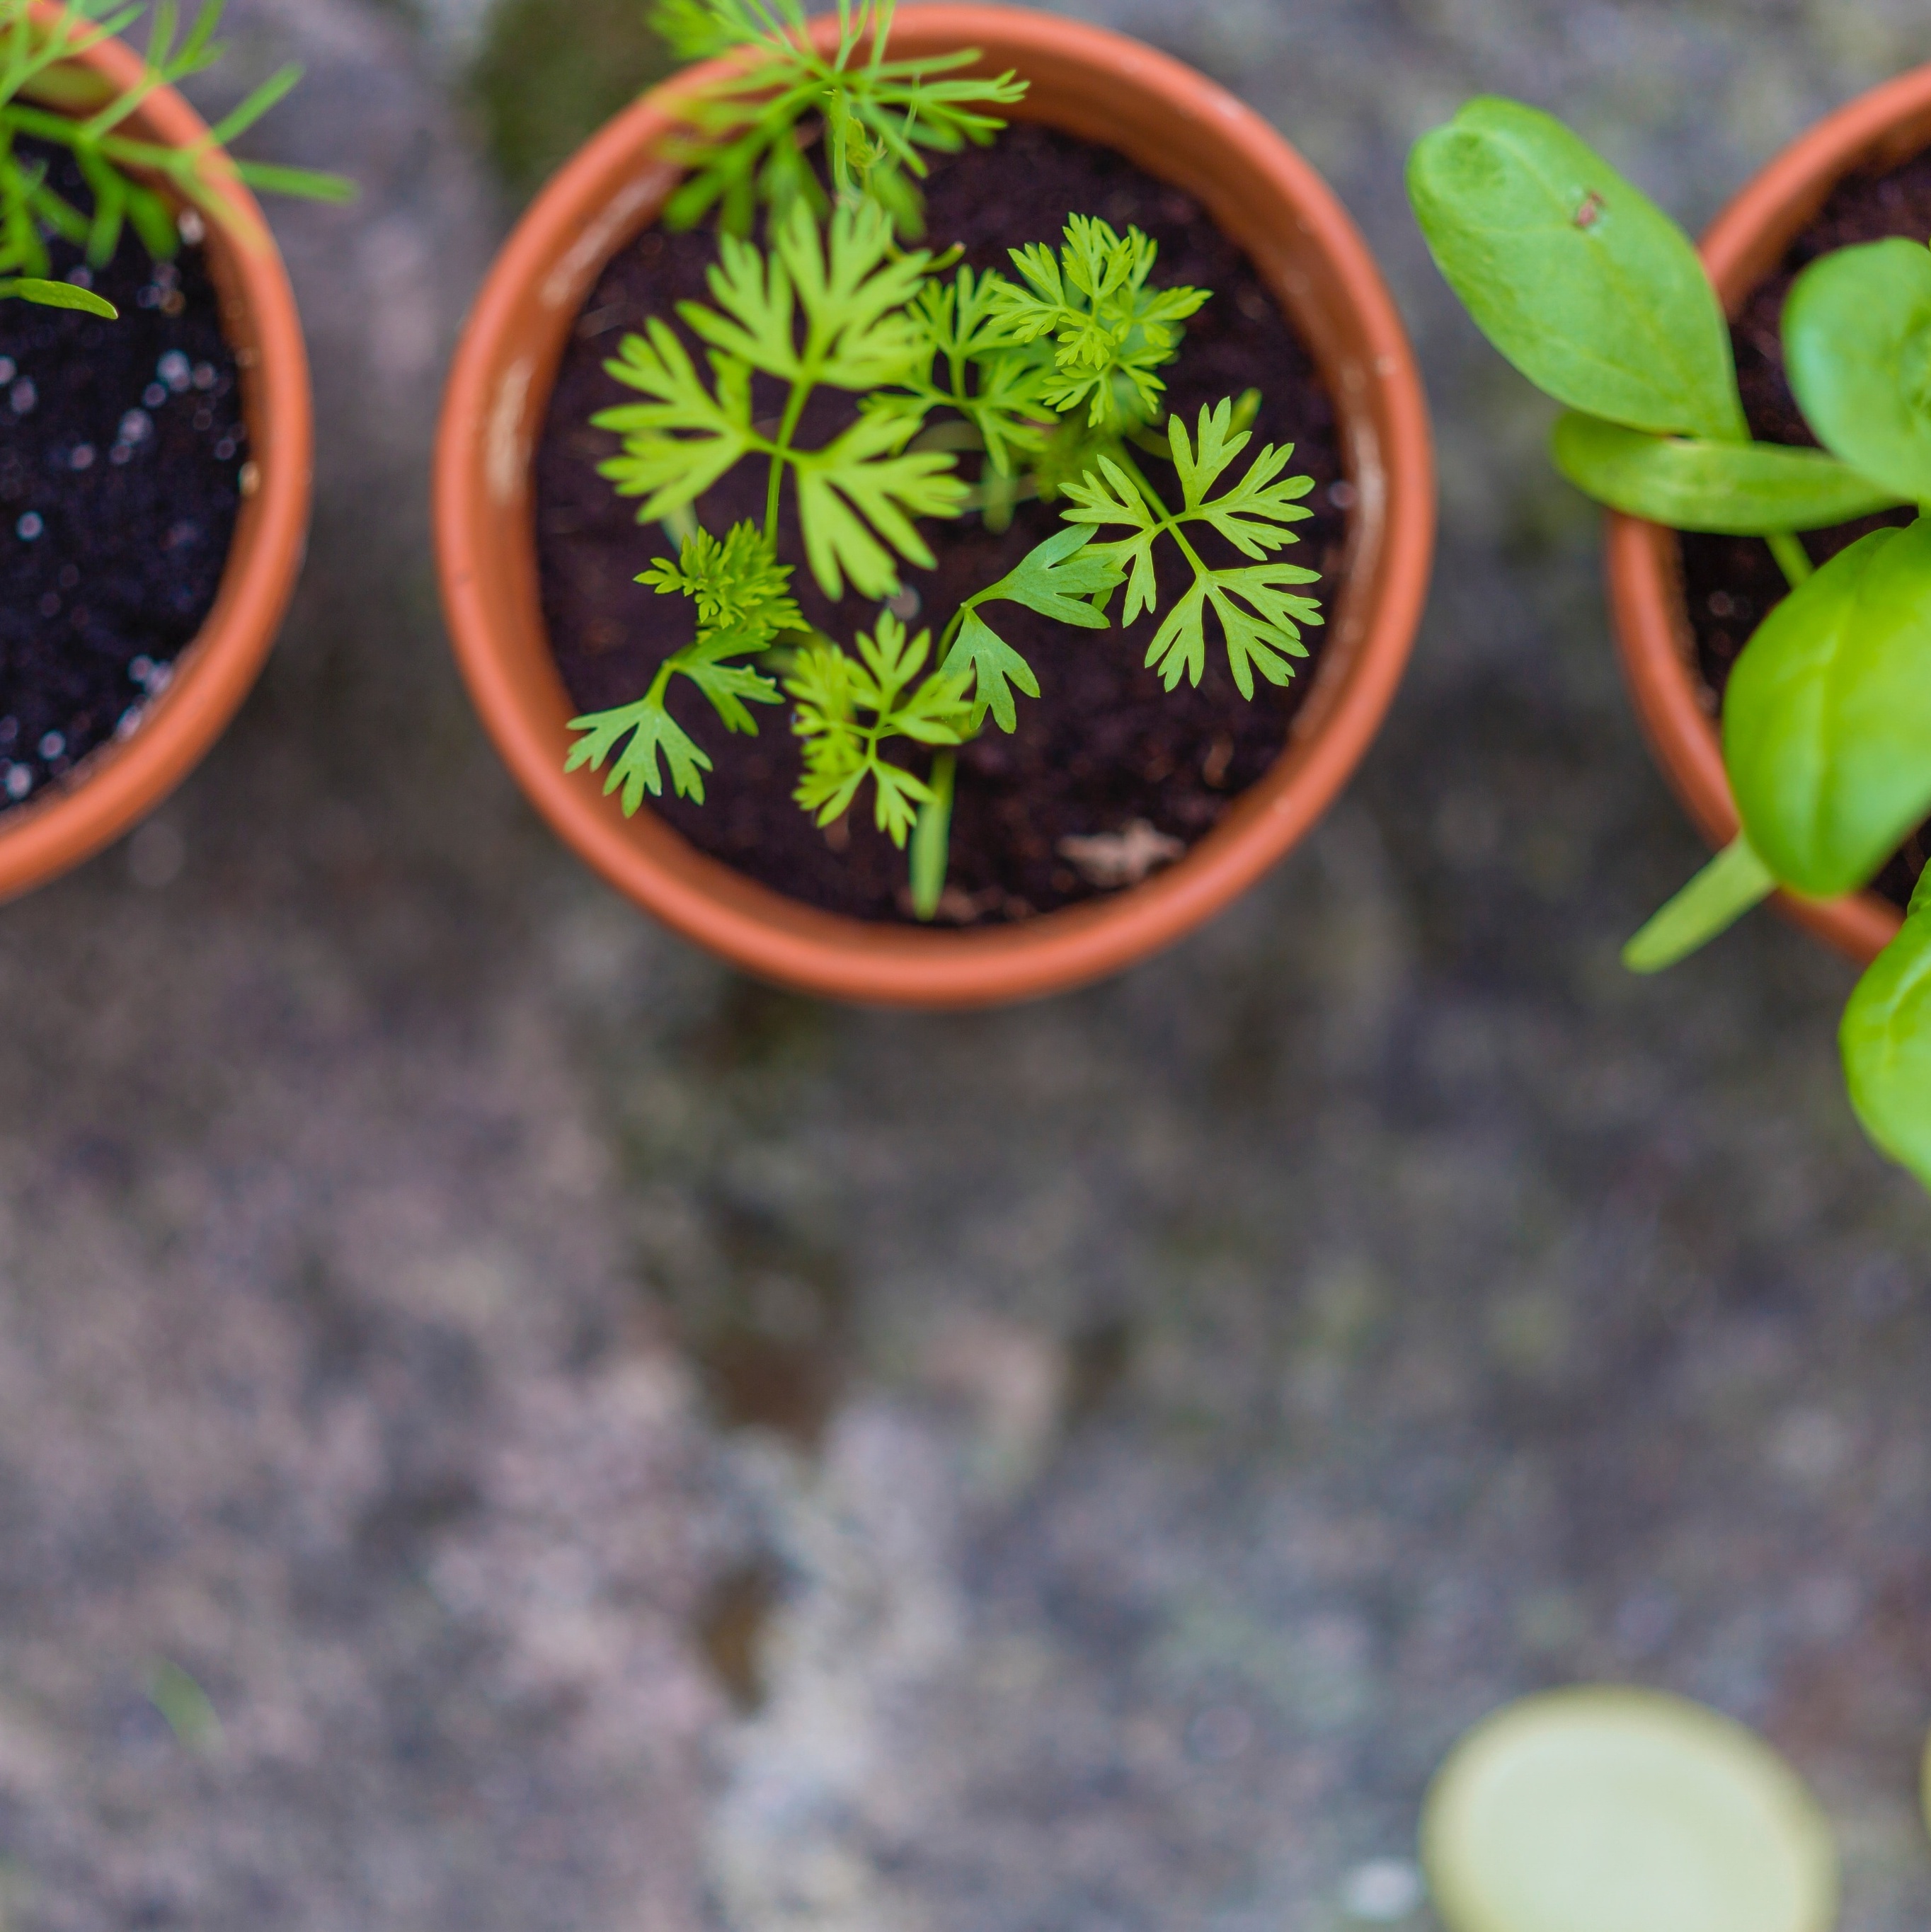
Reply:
x=625, y=1451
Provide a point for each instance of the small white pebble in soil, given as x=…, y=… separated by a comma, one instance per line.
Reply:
x=153, y=396
x=20, y=781
x=204, y=375
x=146, y=296
x=7, y=371
x=1383, y=1892
x=159, y=679
x=906, y=605
x=119, y=453
x=1341, y=494
x=225, y=448
x=22, y=396
x=52, y=743
x=82, y=277
x=193, y=228
x=29, y=527
x=136, y=426
x=129, y=719
x=166, y=273
x=156, y=854
x=83, y=457
x=175, y=370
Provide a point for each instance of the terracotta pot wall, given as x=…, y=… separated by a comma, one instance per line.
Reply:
x=1174, y=124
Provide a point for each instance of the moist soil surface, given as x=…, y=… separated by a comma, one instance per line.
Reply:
x=1104, y=745
x=1732, y=583
x=121, y=445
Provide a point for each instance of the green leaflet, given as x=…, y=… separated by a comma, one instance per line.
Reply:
x=57, y=295
x=651, y=729
x=1733, y=882
x=1260, y=617
x=1886, y=1041
x=1856, y=334
x=1574, y=274
x=1744, y=489
x=834, y=692
x=1827, y=722
x=994, y=667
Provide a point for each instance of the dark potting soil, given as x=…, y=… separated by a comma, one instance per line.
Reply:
x=121, y=446
x=1104, y=745
x=1732, y=583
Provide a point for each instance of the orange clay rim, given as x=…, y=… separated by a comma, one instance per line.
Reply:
x=1878, y=129
x=1178, y=125
x=118, y=785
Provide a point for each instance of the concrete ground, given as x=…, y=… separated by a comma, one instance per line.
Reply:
x=505, y=1424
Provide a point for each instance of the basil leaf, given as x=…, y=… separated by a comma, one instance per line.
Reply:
x=1576, y=276
x=1886, y=1039
x=1856, y=343
x=1739, y=489
x=1827, y=722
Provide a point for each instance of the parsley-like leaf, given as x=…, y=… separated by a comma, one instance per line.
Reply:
x=1260, y=617
x=1110, y=332
x=848, y=706
x=650, y=728
x=739, y=584
x=743, y=142
x=994, y=667
x=866, y=476
x=971, y=365
x=677, y=445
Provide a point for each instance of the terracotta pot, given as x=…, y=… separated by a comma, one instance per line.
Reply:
x=1174, y=124
x=116, y=786
x=1877, y=130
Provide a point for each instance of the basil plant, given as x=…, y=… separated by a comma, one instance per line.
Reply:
x=1596, y=296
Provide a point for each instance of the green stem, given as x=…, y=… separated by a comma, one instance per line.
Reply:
x=781, y=452
x=931, y=839
x=1168, y=521
x=1788, y=548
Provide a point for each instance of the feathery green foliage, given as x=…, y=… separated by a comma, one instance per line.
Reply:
x=1041, y=383
x=742, y=142
x=848, y=706
x=1597, y=295
x=1110, y=332
x=43, y=98
x=1260, y=618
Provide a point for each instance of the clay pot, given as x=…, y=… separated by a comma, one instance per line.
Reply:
x=116, y=786
x=1877, y=130
x=1175, y=124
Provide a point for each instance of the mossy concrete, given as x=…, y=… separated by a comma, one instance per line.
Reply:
x=623, y=1450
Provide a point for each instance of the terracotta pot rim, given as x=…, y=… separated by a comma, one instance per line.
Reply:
x=1645, y=591
x=607, y=191
x=118, y=783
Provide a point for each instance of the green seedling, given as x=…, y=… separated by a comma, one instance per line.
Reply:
x=1047, y=383
x=44, y=98
x=1600, y=299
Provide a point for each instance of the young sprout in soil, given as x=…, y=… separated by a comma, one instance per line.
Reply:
x=1049, y=382
x=1600, y=299
x=44, y=98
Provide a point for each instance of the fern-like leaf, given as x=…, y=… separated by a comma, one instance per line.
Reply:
x=1110, y=333
x=650, y=728
x=1260, y=617
x=848, y=706
x=678, y=444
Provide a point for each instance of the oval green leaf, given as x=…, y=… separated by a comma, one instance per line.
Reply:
x=1856, y=344
x=1886, y=1039
x=58, y=294
x=1737, y=489
x=1827, y=722
x=1578, y=277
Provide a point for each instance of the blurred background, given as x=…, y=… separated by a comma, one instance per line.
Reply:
x=505, y=1424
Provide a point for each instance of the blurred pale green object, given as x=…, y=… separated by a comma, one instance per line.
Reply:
x=1613, y=1809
